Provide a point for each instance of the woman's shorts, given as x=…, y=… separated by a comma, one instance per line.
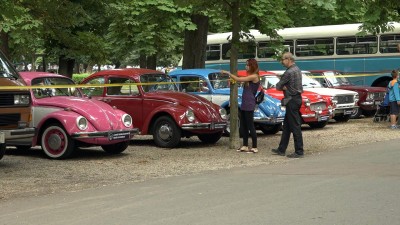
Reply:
x=394, y=108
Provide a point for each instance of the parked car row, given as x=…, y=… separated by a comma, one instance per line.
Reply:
x=117, y=104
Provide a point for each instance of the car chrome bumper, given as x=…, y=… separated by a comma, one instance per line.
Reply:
x=18, y=133
x=271, y=120
x=111, y=135
x=202, y=126
x=344, y=110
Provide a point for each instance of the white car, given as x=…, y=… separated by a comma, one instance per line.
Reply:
x=344, y=102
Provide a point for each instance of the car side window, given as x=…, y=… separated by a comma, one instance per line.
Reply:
x=194, y=84
x=94, y=91
x=128, y=87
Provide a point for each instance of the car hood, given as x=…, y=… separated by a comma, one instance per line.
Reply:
x=362, y=88
x=202, y=108
x=96, y=112
x=331, y=91
x=312, y=96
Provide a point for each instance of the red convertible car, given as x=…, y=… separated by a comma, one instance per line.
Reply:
x=156, y=105
x=315, y=110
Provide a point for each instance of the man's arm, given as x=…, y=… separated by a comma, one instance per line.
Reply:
x=280, y=86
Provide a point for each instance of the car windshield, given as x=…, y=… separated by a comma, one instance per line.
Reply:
x=6, y=70
x=158, y=82
x=336, y=79
x=219, y=80
x=269, y=81
x=310, y=82
x=56, y=91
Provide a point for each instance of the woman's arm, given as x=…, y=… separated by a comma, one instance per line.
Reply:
x=252, y=77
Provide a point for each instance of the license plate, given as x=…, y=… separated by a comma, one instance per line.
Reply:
x=119, y=136
x=348, y=112
x=322, y=119
x=377, y=102
x=2, y=137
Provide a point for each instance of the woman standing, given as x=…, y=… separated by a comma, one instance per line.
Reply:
x=250, y=87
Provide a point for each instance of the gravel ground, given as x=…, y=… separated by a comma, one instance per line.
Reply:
x=29, y=173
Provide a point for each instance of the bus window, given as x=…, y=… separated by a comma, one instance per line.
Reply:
x=266, y=49
x=388, y=43
x=246, y=50
x=356, y=45
x=314, y=47
x=213, y=52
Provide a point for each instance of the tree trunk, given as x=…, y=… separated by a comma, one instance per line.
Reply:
x=234, y=113
x=4, y=44
x=151, y=62
x=66, y=66
x=142, y=61
x=195, y=44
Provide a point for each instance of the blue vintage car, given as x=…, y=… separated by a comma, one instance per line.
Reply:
x=214, y=86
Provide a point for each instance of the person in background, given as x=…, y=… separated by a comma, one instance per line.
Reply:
x=394, y=99
x=250, y=87
x=291, y=85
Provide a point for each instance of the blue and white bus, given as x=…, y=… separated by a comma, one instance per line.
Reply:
x=367, y=59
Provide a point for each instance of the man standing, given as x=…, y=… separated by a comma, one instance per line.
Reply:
x=291, y=85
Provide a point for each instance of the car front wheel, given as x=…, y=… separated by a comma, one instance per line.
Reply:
x=166, y=133
x=116, y=148
x=56, y=143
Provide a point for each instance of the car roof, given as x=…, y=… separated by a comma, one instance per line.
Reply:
x=127, y=72
x=29, y=76
x=242, y=73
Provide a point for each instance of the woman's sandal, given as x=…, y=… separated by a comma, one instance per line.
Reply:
x=253, y=150
x=243, y=149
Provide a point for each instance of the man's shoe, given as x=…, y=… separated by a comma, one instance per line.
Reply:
x=276, y=151
x=295, y=155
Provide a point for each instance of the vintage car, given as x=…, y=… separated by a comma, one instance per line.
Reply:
x=369, y=98
x=65, y=119
x=315, y=110
x=214, y=86
x=344, y=102
x=15, y=107
x=157, y=107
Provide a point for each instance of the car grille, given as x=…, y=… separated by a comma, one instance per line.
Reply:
x=379, y=95
x=344, y=99
x=9, y=119
x=6, y=99
x=318, y=106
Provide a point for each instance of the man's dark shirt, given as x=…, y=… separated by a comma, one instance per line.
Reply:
x=292, y=79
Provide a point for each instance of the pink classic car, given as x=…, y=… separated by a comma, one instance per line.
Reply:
x=157, y=107
x=66, y=120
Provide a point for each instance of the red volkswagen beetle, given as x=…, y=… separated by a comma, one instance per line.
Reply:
x=156, y=105
x=315, y=110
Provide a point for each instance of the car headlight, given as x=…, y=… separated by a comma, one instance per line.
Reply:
x=307, y=102
x=223, y=113
x=126, y=120
x=82, y=123
x=189, y=115
x=334, y=100
x=356, y=98
x=21, y=99
x=370, y=96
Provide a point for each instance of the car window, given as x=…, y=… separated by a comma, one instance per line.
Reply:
x=94, y=91
x=56, y=91
x=193, y=84
x=219, y=80
x=128, y=87
x=269, y=81
x=157, y=82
